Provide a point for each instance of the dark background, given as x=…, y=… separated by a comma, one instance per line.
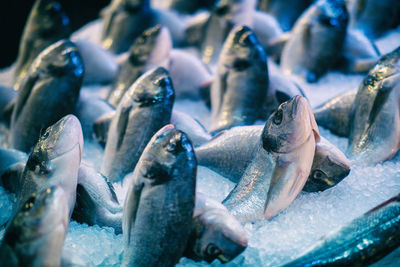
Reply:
x=14, y=13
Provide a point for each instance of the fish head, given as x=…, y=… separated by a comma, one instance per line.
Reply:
x=167, y=149
x=230, y=8
x=50, y=20
x=153, y=87
x=56, y=146
x=221, y=236
x=332, y=14
x=60, y=59
x=289, y=126
x=242, y=50
x=40, y=216
x=152, y=45
x=330, y=166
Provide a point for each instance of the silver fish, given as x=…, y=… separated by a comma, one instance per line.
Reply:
x=280, y=166
x=47, y=23
x=374, y=123
x=241, y=83
x=55, y=160
x=216, y=234
x=149, y=50
x=35, y=236
x=317, y=40
x=158, y=209
x=49, y=91
x=145, y=108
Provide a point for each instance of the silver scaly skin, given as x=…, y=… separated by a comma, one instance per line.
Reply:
x=145, y=108
x=158, y=209
x=55, y=160
x=280, y=166
x=35, y=236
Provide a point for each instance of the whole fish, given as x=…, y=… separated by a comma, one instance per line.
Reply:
x=35, y=236
x=335, y=113
x=216, y=234
x=158, y=209
x=230, y=152
x=96, y=201
x=149, y=50
x=144, y=109
x=280, y=165
x=286, y=11
x=374, y=18
x=47, y=23
x=241, y=83
x=54, y=161
x=49, y=91
x=361, y=242
x=317, y=40
x=374, y=134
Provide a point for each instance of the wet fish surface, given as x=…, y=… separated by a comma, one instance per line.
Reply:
x=49, y=91
x=241, y=83
x=361, y=242
x=145, y=108
x=158, y=209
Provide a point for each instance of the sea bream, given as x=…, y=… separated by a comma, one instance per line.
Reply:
x=150, y=49
x=144, y=109
x=54, y=161
x=230, y=152
x=216, y=234
x=47, y=23
x=35, y=236
x=241, y=83
x=49, y=91
x=280, y=165
x=317, y=40
x=158, y=209
x=361, y=242
x=374, y=134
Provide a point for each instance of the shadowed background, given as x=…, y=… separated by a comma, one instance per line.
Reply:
x=13, y=15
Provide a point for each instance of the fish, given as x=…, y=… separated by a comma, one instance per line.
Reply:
x=317, y=40
x=361, y=242
x=96, y=201
x=54, y=161
x=149, y=50
x=145, y=108
x=123, y=21
x=335, y=113
x=47, y=23
x=280, y=166
x=49, y=92
x=35, y=235
x=374, y=133
x=158, y=209
x=7, y=97
x=241, y=83
x=374, y=18
x=231, y=152
x=286, y=12
x=215, y=234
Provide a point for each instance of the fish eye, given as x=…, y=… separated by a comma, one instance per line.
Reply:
x=162, y=82
x=29, y=203
x=213, y=250
x=330, y=22
x=318, y=174
x=241, y=64
x=278, y=117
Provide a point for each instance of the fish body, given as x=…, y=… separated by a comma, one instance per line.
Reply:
x=145, y=108
x=158, y=209
x=48, y=92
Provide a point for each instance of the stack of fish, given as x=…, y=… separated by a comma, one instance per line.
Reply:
x=263, y=134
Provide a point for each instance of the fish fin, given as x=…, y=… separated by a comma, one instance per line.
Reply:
x=381, y=97
x=24, y=93
x=133, y=199
x=122, y=124
x=275, y=47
